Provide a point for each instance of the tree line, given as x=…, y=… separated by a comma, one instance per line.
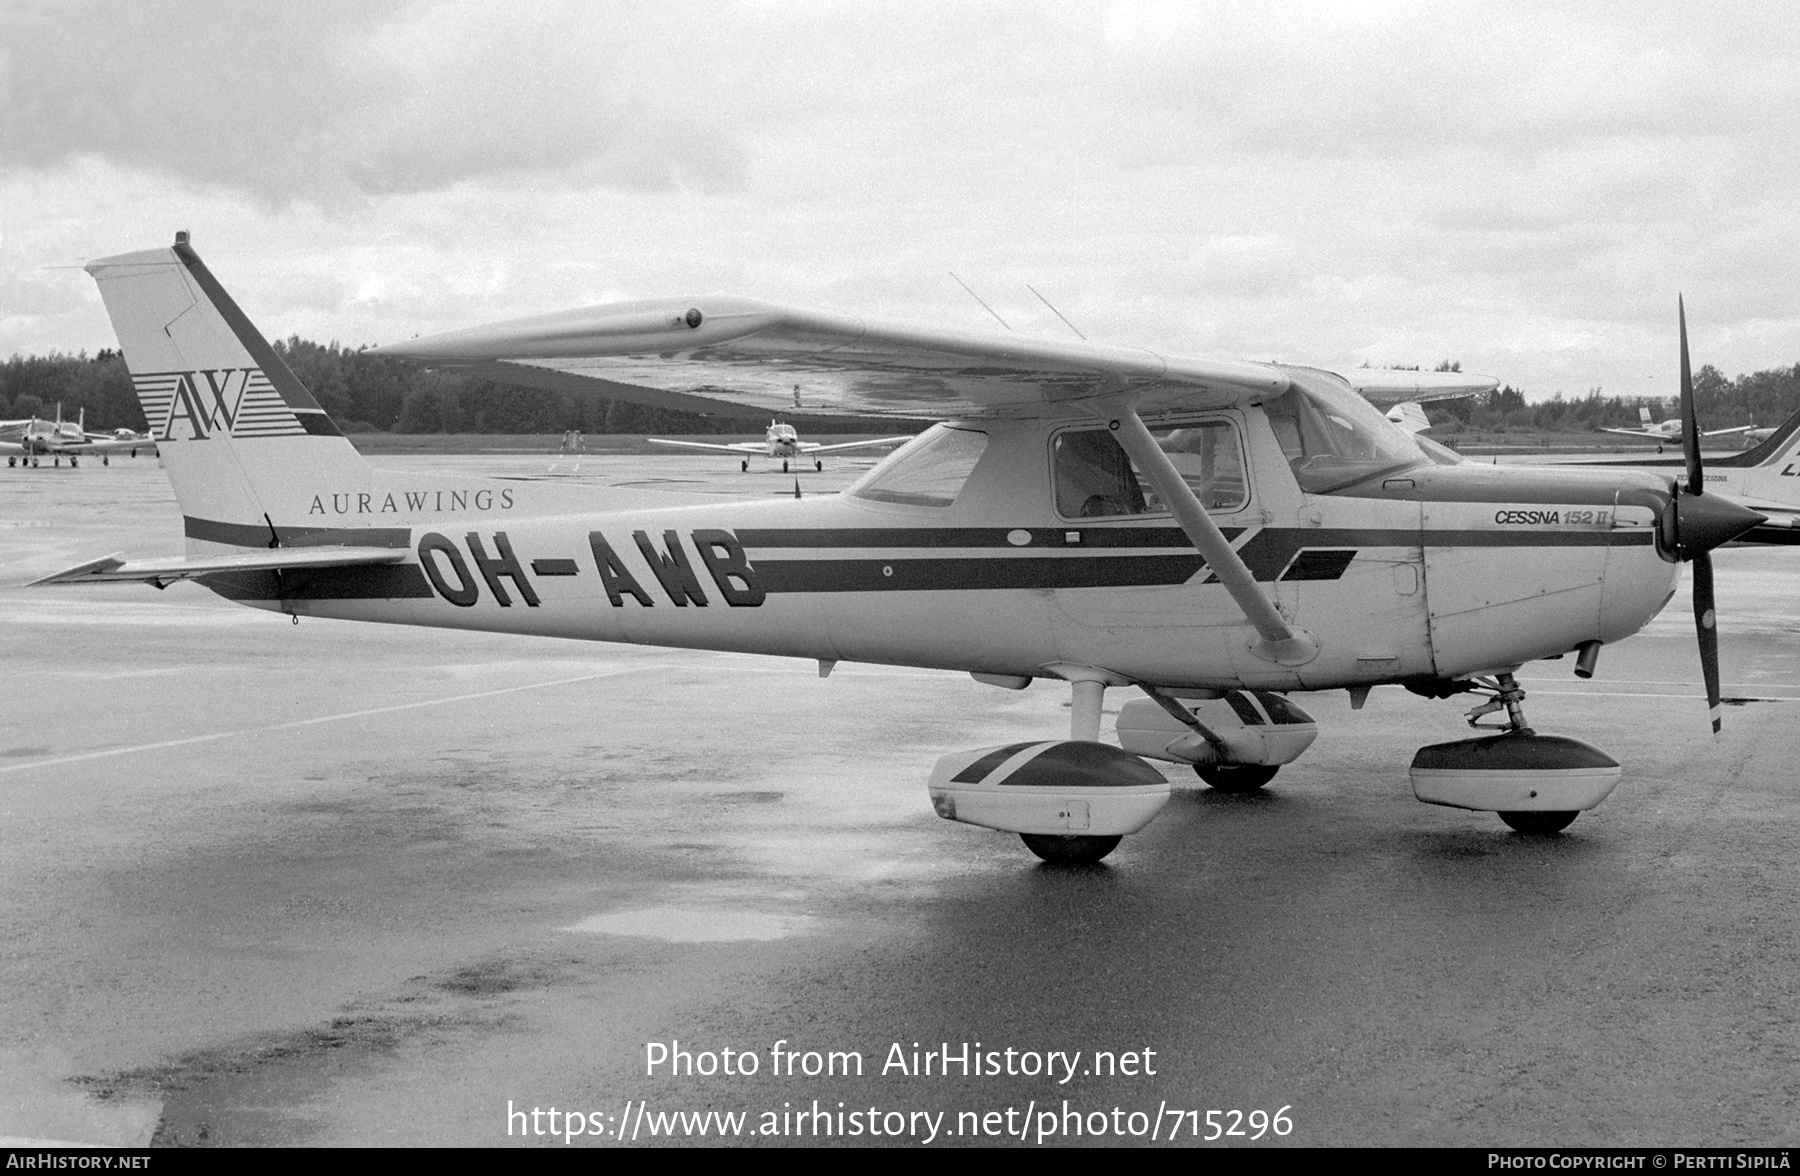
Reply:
x=366, y=393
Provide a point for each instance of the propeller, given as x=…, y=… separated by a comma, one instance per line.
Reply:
x=1702, y=522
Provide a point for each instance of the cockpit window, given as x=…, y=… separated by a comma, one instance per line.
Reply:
x=929, y=470
x=1333, y=438
x=1095, y=479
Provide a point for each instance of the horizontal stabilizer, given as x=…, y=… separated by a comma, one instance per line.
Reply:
x=114, y=570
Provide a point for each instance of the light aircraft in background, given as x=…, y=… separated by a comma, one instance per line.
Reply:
x=1409, y=416
x=1765, y=479
x=1668, y=432
x=27, y=442
x=782, y=442
x=1212, y=533
x=1403, y=392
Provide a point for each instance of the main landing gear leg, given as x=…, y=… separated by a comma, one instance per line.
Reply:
x=1074, y=849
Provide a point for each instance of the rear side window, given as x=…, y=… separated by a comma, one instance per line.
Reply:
x=1095, y=479
x=928, y=471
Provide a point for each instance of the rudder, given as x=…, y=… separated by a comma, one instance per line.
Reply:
x=246, y=446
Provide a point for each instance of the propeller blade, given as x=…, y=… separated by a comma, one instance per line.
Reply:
x=1706, y=626
x=1690, y=426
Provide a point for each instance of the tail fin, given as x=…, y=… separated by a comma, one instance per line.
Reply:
x=1409, y=416
x=245, y=444
x=1644, y=415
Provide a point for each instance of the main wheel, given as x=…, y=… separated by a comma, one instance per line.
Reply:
x=818, y=467
x=1540, y=822
x=1074, y=849
x=1237, y=777
x=744, y=466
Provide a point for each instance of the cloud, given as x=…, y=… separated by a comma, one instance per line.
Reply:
x=333, y=103
x=1312, y=180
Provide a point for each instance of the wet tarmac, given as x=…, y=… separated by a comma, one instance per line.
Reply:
x=333, y=883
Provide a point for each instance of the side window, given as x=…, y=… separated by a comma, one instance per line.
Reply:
x=929, y=470
x=1095, y=479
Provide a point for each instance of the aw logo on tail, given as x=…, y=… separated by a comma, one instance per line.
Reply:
x=197, y=405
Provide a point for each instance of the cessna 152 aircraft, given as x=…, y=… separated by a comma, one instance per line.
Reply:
x=783, y=442
x=1212, y=533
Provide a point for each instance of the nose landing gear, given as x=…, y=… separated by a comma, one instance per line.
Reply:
x=1536, y=783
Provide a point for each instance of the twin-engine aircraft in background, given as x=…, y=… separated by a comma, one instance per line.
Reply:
x=28, y=442
x=1212, y=533
x=782, y=442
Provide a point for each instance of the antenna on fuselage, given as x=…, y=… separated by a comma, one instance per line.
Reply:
x=977, y=298
x=1059, y=314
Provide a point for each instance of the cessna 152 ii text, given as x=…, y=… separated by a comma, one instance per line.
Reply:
x=1212, y=533
x=782, y=443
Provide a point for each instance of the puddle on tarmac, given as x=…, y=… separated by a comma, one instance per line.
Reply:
x=693, y=924
x=38, y=1105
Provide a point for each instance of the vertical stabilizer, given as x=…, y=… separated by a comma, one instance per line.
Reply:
x=245, y=444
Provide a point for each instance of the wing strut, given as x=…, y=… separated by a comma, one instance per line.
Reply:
x=1281, y=643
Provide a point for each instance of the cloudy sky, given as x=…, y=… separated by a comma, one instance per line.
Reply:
x=1524, y=187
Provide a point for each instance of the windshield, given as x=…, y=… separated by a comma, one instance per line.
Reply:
x=1332, y=437
x=927, y=471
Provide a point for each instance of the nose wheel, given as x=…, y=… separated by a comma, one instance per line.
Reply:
x=1237, y=778
x=1069, y=850
x=1539, y=822
x=1536, y=784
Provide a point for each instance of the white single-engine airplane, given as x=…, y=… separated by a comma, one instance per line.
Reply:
x=29, y=441
x=1668, y=431
x=1213, y=533
x=782, y=442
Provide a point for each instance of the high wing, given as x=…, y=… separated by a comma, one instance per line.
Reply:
x=718, y=353
x=815, y=447
x=1386, y=387
x=100, y=445
x=112, y=569
x=733, y=447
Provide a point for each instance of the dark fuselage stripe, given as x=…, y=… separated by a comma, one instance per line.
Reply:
x=257, y=535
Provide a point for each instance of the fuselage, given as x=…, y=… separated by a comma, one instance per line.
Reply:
x=1432, y=571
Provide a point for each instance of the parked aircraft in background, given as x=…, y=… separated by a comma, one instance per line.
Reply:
x=1667, y=432
x=29, y=441
x=1765, y=479
x=782, y=442
x=1213, y=533
x=1410, y=417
